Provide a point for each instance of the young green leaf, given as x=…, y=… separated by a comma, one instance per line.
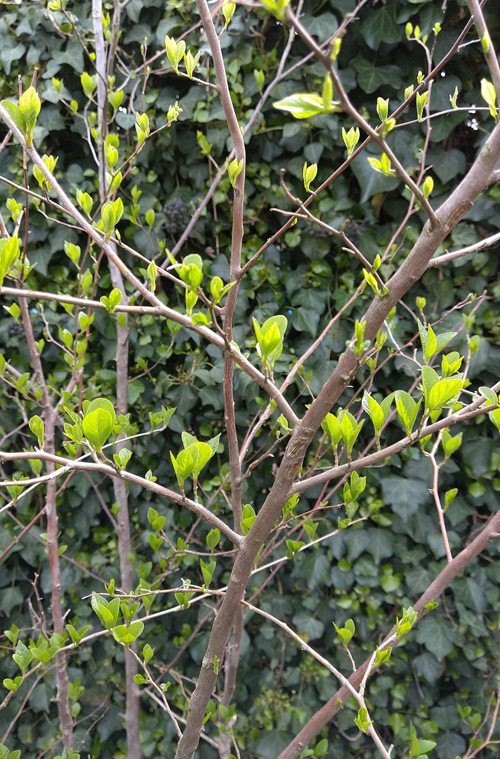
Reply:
x=276, y=7
x=450, y=444
x=488, y=394
x=488, y=93
x=303, y=105
x=381, y=657
x=175, y=52
x=207, y=570
x=375, y=412
x=427, y=186
x=89, y=83
x=191, y=61
x=382, y=165
x=213, y=539
x=361, y=721
x=259, y=78
x=382, y=108
x=9, y=254
x=309, y=174
x=346, y=632
x=441, y=393
x=421, y=102
x=97, y=427
x=29, y=105
x=407, y=410
x=234, y=169
x=128, y=634
x=228, y=8
x=294, y=547
x=270, y=339
x=449, y=497
x=351, y=139
x=350, y=429
x=152, y=275
x=37, y=427
x=331, y=426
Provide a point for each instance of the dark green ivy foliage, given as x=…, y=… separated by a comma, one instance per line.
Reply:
x=370, y=570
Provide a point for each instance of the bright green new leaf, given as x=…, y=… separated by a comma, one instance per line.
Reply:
x=432, y=343
x=207, y=571
x=331, y=426
x=346, y=632
x=103, y=403
x=374, y=411
x=9, y=254
x=175, y=52
x=213, y=539
x=354, y=487
x=84, y=201
x=152, y=275
x=303, y=105
x=183, y=466
x=450, y=444
x=122, y=458
x=37, y=427
x=421, y=102
x=276, y=7
x=489, y=95
x=29, y=105
x=449, y=497
x=294, y=547
x=351, y=139
x=108, y=218
x=147, y=653
x=201, y=454
x=115, y=98
x=15, y=114
x=50, y=162
x=190, y=62
x=191, y=271
x=495, y=418
x=429, y=379
x=97, y=427
x=441, y=393
x=427, y=186
x=350, y=429
x=260, y=78
x=488, y=394
x=128, y=634
x=407, y=410
x=270, y=339
x=381, y=657
x=451, y=363
x=249, y=517
x=309, y=174
x=234, y=169
x=89, y=83
x=228, y=8
x=382, y=165
x=362, y=721
x=382, y=108
x=72, y=251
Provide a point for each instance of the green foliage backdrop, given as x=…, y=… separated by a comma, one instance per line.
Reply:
x=372, y=569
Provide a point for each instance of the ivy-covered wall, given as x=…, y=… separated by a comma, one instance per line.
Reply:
x=442, y=678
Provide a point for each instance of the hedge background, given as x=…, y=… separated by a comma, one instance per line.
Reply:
x=368, y=573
